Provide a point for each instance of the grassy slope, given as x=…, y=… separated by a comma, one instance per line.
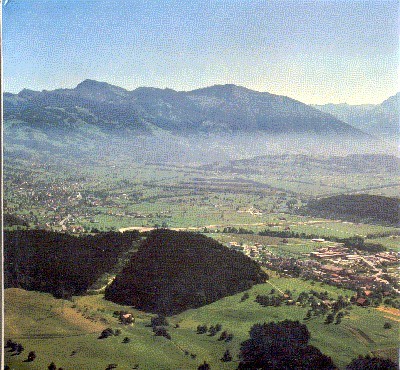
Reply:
x=33, y=318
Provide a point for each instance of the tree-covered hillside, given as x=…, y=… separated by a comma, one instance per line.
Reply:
x=60, y=264
x=358, y=207
x=174, y=271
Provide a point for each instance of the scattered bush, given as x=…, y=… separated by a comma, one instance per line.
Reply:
x=31, y=356
x=160, y=331
x=106, y=333
x=227, y=357
x=202, y=329
x=111, y=366
x=387, y=325
x=204, y=366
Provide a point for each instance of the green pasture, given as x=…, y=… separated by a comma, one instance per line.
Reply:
x=54, y=329
x=341, y=229
x=293, y=248
x=388, y=242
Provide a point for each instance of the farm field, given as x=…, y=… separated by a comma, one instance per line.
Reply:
x=66, y=332
x=117, y=193
x=389, y=242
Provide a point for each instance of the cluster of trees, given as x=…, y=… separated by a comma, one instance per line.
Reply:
x=156, y=280
x=359, y=243
x=316, y=301
x=159, y=324
x=282, y=345
x=161, y=331
x=14, y=347
x=269, y=300
x=287, y=234
x=60, y=264
x=357, y=207
x=212, y=330
x=234, y=230
x=159, y=320
x=226, y=337
x=318, y=306
x=373, y=363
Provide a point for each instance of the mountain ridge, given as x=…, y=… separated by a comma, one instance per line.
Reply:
x=376, y=119
x=218, y=108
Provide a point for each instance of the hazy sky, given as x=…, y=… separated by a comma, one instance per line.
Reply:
x=315, y=51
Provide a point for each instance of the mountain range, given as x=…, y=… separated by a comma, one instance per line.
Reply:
x=378, y=120
x=94, y=107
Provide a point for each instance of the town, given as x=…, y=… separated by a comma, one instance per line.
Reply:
x=372, y=275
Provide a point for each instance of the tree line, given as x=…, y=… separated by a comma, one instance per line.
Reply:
x=60, y=264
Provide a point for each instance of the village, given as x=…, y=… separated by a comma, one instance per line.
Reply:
x=63, y=206
x=374, y=274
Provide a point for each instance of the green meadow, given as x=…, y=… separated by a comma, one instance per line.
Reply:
x=66, y=332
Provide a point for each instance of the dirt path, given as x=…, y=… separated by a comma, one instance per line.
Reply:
x=273, y=285
x=360, y=335
x=389, y=310
x=110, y=280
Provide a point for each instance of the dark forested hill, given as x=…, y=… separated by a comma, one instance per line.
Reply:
x=174, y=271
x=12, y=220
x=58, y=263
x=362, y=207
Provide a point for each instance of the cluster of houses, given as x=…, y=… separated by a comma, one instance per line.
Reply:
x=332, y=264
x=56, y=202
x=253, y=251
x=340, y=255
x=253, y=211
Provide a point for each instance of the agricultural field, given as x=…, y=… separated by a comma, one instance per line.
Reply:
x=119, y=193
x=298, y=248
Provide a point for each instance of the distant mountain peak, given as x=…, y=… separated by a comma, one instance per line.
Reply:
x=375, y=119
x=222, y=88
x=27, y=93
x=93, y=84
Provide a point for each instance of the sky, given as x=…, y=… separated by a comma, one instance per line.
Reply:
x=315, y=51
